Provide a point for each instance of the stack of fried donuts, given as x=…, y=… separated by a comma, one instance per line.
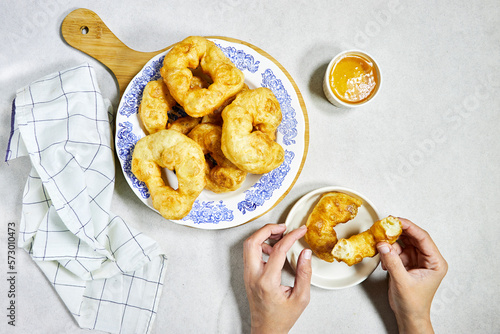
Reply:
x=230, y=129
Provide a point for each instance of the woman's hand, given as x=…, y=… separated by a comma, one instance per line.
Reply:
x=275, y=308
x=415, y=271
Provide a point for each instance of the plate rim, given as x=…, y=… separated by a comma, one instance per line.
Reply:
x=305, y=136
x=318, y=191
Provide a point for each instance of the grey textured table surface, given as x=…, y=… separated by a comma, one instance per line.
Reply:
x=427, y=148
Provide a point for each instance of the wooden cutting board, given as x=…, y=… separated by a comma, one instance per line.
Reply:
x=85, y=31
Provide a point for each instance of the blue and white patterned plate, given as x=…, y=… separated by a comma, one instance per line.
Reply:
x=259, y=193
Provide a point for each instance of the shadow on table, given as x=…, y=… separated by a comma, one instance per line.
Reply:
x=238, y=286
x=376, y=289
x=316, y=81
x=316, y=88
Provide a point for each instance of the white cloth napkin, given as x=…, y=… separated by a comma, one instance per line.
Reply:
x=109, y=276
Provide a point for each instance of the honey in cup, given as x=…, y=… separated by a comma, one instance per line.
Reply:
x=353, y=78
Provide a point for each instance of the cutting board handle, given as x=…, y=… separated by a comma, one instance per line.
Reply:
x=84, y=30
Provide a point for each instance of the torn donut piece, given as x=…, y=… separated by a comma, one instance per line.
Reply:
x=355, y=248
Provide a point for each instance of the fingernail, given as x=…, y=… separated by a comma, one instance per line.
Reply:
x=307, y=254
x=384, y=249
x=303, y=226
x=281, y=225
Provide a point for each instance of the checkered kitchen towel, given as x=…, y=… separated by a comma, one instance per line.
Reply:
x=109, y=276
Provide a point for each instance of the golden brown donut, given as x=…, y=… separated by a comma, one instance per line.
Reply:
x=157, y=102
x=154, y=107
x=359, y=246
x=248, y=131
x=184, y=124
x=198, y=83
x=216, y=116
x=175, y=151
x=223, y=176
x=333, y=208
x=187, y=55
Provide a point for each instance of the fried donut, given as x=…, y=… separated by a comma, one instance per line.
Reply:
x=333, y=208
x=216, y=116
x=154, y=107
x=248, y=131
x=359, y=246
x=198, y=83
x=157, y=102
x=213, y=118
x=185, y=124
x=186, y=56
x=175, y=151
x=223, y=176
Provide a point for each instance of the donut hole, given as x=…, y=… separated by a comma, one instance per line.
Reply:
x=210, y=160
x=170, y=178
x=271, y=136
x=204, y=77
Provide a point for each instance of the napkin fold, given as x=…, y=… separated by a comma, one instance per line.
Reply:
x=109, y=275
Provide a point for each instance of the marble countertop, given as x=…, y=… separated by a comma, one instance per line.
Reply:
x=427, y=148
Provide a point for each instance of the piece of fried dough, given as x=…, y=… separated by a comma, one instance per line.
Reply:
x=185, y=124
x=333, y=208
x=223, y=176
x=175, y=151
x=248, y=131
x=157, y=102
x=198, y=83
x=154, y=107
x=187, y=55
x=359, y=246
x=216, y=116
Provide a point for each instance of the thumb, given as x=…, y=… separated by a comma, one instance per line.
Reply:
x=302, y=287
x=391, y=260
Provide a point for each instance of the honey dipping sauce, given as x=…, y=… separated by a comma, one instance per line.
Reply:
x=353, y=78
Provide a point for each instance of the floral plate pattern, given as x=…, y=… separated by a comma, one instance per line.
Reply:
x=259, y=193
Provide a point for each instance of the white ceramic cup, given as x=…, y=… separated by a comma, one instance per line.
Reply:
x=332, y=98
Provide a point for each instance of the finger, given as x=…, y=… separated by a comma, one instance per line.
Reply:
x=403, y=241
x=420, y=239
x=397, y=247
x=303, y=273
x=277, y=236
x=252, y=247
x=267, y=248
x=399, y=250
x=253, y=244
x=277, y=257
x=391, y=261
x=407, y=259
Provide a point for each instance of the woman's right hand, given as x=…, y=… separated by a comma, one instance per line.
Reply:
x=415, y=269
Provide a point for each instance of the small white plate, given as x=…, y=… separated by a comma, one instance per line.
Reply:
x=336, y=275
